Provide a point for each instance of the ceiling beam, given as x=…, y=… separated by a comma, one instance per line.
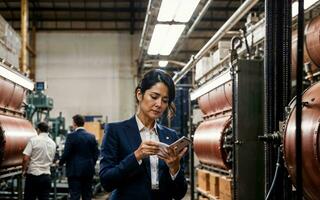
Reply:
x=73, y=18
x=93, y=1
x=105, y=9
x=132, y=17
x=9, y=8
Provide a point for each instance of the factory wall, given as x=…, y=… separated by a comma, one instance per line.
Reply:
x=92, y=73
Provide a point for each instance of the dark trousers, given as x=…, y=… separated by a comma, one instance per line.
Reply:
x=155, y=195
x=80, y=186
x=37, y=187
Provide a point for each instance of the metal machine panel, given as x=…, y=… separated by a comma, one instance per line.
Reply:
x=248, y=164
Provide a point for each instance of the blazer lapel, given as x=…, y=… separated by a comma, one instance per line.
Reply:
x=133, y=133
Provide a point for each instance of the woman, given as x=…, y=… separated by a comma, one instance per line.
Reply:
x=131, y=164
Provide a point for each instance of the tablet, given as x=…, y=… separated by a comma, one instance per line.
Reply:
x=162, y=149
x=180, y=144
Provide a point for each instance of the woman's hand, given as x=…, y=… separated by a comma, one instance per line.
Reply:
x=146, y=149
x=172, y=158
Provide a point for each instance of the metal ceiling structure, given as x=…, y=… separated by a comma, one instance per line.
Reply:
x=122, y=16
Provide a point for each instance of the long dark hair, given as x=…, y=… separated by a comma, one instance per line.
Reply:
x=153, y=77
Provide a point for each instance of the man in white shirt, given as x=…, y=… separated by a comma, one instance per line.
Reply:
x=38, y=156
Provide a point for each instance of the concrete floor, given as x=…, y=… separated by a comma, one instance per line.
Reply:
x=104, y=196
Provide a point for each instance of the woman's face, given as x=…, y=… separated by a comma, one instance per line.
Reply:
x=154, y=101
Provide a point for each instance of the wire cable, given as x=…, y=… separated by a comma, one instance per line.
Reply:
x=275, y=174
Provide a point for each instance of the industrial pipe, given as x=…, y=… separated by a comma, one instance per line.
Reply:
x=235, y=18
x=144, y=31
x=199, y=17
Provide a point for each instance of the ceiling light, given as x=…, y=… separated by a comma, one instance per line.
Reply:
x=177, y=10
x=158, y=36
x=307, y=4
x=186, y=10
x=171, y=38
x=164, y=38
x=168, y=10
x=163, y=63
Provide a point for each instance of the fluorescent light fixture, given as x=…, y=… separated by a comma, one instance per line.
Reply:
x=163, y=63
x=186, y=10
x=177, y=10
x=210, y=85
x=164, y=38
x=16, y=78
x=168, y=10
x=307, y=4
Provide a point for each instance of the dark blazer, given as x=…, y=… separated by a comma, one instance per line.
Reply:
x=121, y=173
x=80, y=154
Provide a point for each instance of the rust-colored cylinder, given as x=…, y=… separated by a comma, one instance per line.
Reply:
x=217, y=100
x=17, y=98
x=11, y=95
x=204, y=104
x=312, y=40
x=14, y=136
x=310, y=130
x=209, y=140
x=311, y=46
x=6, y=92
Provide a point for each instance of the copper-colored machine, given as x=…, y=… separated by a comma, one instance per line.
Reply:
x=209, y=140
x=217, y=100
x=11, y=95
x=209, y=136
x=310, y=132
x=15, y=131
x=311, y=46
x=226, y=141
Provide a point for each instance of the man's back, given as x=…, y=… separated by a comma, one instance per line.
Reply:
x=41, y=150
x=80, y=154
x=38, y=156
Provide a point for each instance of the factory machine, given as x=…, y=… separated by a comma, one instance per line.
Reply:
x=38, y=109
x=15, y=130
x=231, y=142
x=226, y=141
x=310, y=124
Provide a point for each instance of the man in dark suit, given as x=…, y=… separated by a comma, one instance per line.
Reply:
x=80, y=155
